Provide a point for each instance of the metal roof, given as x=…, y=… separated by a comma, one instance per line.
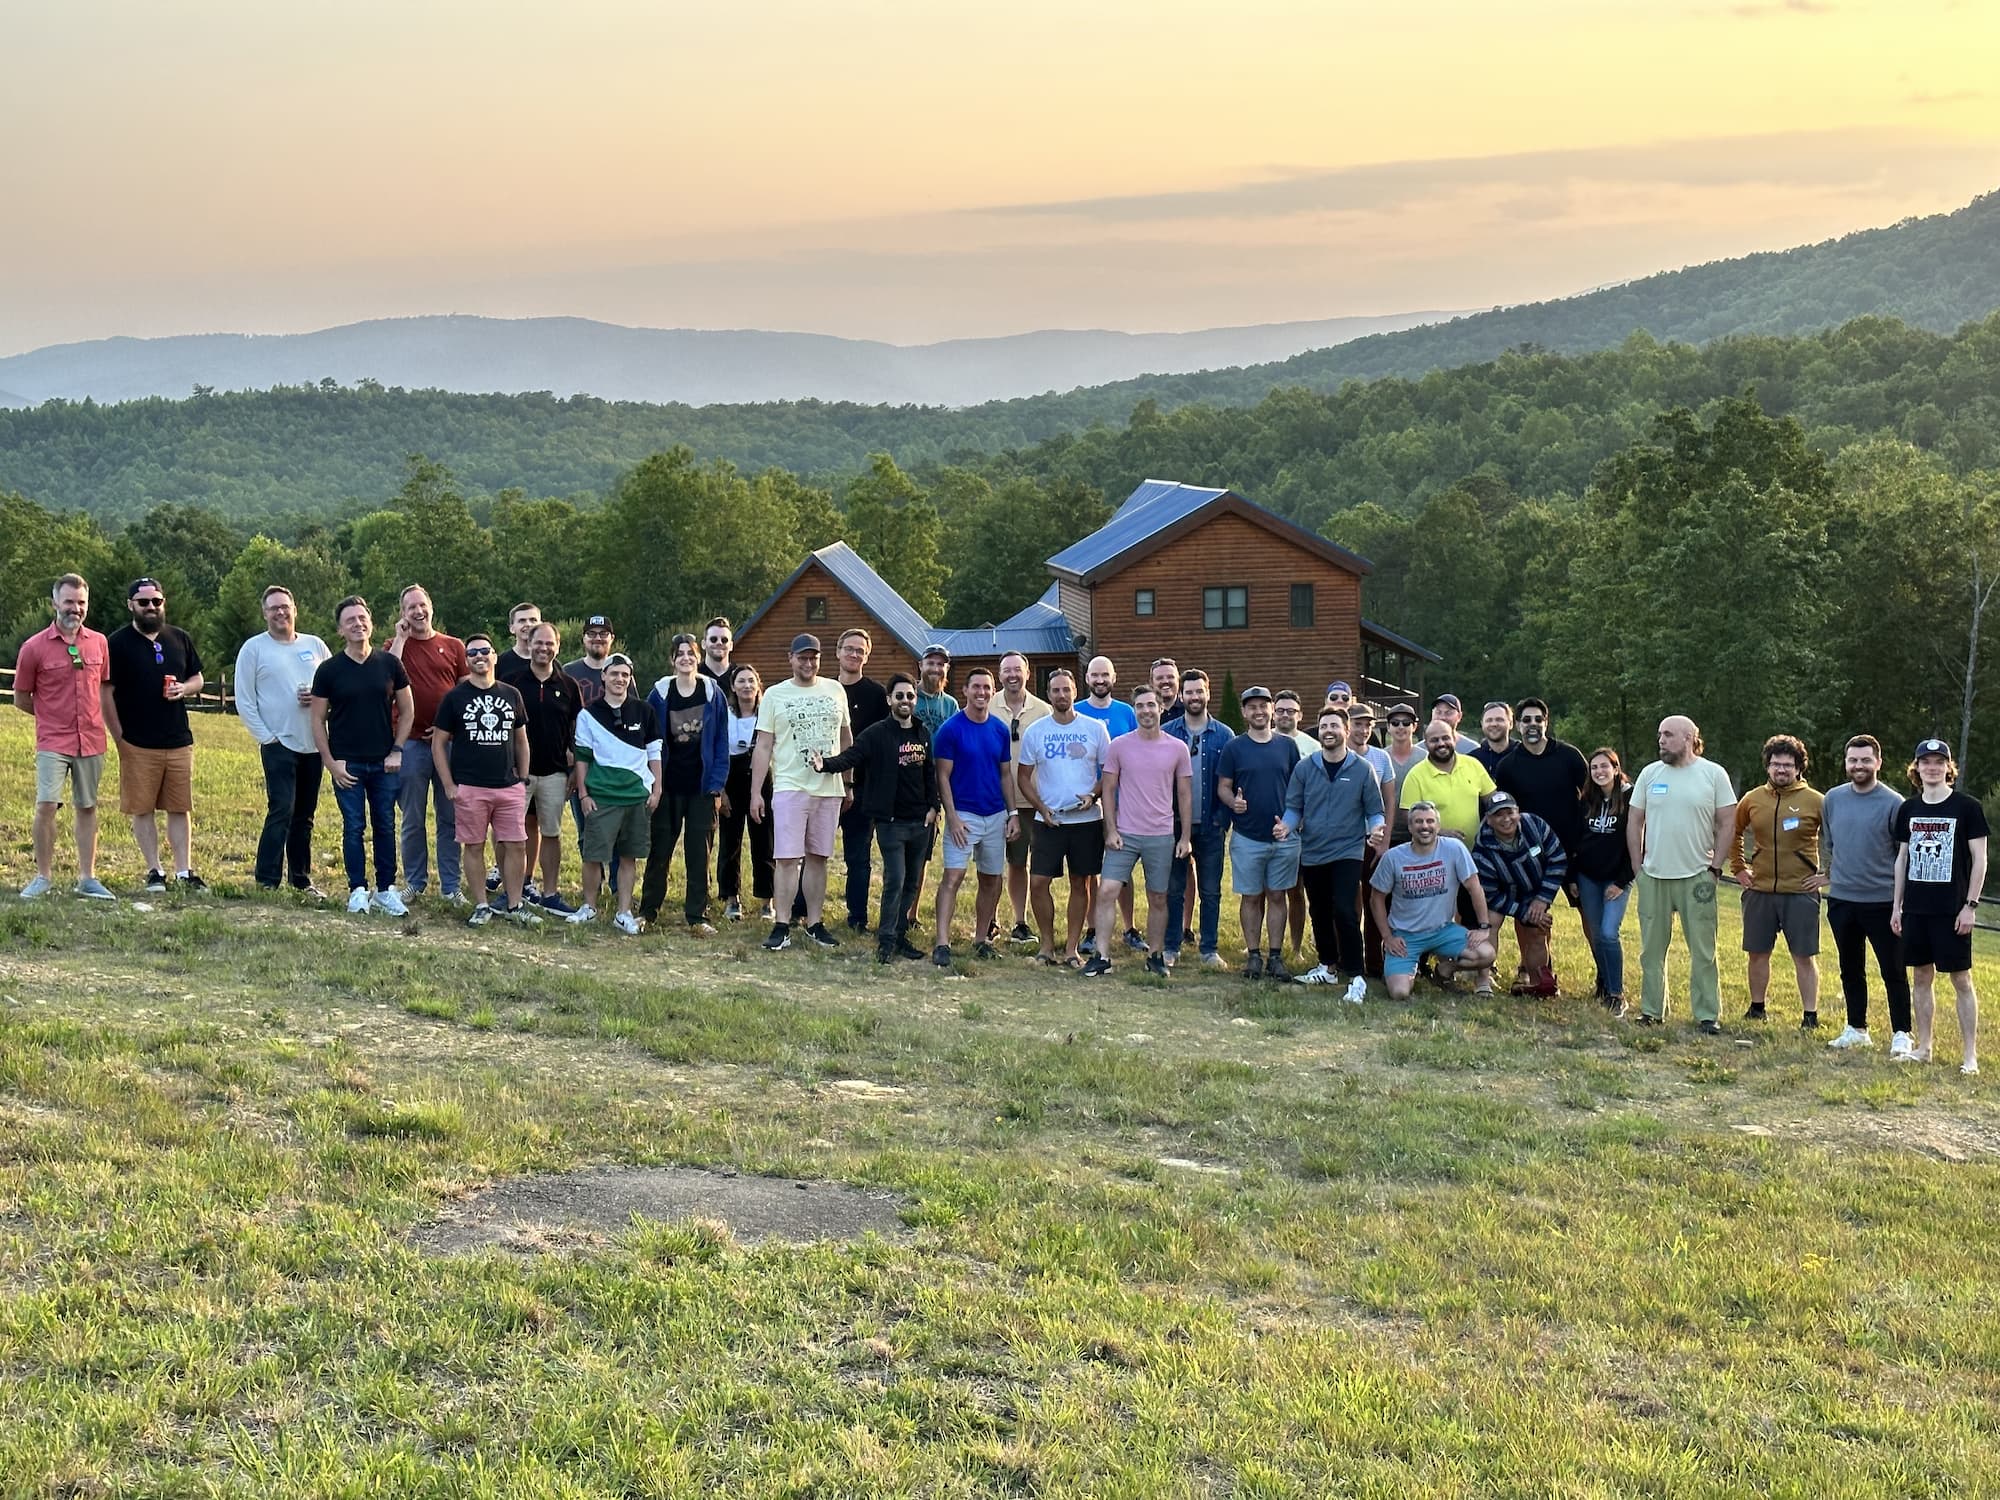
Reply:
x=1044, y=612
x=1389, y=637
x=1162, y=508
x=998, y=640
x=884, y=605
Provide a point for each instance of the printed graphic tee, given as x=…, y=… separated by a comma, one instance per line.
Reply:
x=481, y=723
x=1423, y=888
x=1940, y=836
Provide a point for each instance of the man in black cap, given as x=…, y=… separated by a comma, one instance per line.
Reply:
x=1521, y=868
x=1447, y=707
x=1940, y=871
x=798, y=719
x=155, y=671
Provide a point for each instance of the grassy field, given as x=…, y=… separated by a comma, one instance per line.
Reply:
x=1197, y=1238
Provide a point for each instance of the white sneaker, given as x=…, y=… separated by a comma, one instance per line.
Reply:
x=389, y=903
x=1900, y=1046
x=525, y=915
x=1968, y=1068
x=1317, y=974
x=585, y=913
x=1911, y=1054
x=626, y=923
x=1357, y=990
x=1852, y=1036
x=357, y=900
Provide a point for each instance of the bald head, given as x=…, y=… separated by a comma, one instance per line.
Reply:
x=1678, y=737
x=1100, y=677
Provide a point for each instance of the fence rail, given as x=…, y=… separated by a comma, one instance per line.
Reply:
x=219, y=701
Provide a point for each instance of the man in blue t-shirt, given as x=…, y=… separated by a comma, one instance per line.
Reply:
x=1252, y=773
x=975, y=773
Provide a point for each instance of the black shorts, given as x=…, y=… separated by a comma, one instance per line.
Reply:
x=1023, y=839
x=1080, y=846
x=1931, y=942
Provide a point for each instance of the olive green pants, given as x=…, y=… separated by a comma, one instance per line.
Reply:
x=1693, y=901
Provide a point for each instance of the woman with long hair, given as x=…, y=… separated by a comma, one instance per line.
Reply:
x=1602, y=866
x=742, y=689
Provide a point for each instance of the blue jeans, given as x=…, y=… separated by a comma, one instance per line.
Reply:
x=372, y=798
x=1601, y=920
x=420, y=782
x=1207, y=846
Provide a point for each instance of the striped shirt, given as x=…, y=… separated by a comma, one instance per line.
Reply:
x=618, y=747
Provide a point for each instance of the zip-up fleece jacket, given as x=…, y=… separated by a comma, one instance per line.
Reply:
x=898, y=781
x=1533, y=870
x=714, y=728
x=1783, y=829
x=1333, y=812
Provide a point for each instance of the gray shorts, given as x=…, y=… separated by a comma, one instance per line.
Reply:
x=618, y=830
x=79, y=773
x=1254, y=867
x=1767, y=913
x=546, y=796
x=1154, y=851
x=985, y=843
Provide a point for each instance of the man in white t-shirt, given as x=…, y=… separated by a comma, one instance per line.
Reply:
x=1060, y=778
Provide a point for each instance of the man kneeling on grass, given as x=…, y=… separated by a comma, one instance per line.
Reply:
x=1414, y=893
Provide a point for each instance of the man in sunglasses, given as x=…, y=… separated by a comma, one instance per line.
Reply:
x=59, y=678
x=155, y=670
x=717, y=641
x=479, y=744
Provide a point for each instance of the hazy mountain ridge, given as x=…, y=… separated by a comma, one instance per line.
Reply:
x=698, y=367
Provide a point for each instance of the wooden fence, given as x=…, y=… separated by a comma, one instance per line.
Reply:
x=214, y=698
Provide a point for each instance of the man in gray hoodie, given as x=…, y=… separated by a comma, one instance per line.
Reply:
x=1334, y=802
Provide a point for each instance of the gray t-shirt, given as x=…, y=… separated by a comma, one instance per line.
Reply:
x=1068, y=759
x=1863, y=830
x=1423, y=888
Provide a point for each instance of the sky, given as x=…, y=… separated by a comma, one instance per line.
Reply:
x=912, y=171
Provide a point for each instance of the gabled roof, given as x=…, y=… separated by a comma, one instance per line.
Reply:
x=1388, y=637
x=1160, y=510
x=1038, y=630
x=884, y=605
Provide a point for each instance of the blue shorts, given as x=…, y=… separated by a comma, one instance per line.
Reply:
x=1447, y=941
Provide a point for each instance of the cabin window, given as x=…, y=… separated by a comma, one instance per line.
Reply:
x=1142, y=603
x=815, y=609
x=1302, y=606
x=1226, y=608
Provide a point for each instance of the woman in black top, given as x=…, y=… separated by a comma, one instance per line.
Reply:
x=742, y=690
x=1603, y=870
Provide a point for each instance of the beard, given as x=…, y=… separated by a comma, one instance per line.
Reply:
x=1443, y=755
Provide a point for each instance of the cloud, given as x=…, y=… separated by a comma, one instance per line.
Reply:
x=1757, y=10
x=1852, y=160
x=1955, y=96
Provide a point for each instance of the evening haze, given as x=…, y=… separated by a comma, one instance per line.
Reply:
x=913, y=172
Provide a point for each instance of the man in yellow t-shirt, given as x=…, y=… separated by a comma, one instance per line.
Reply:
x=1455, y=783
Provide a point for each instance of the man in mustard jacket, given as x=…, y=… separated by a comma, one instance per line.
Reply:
x=1774, y=855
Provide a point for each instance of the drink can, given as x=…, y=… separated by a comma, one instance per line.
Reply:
x=167, y=686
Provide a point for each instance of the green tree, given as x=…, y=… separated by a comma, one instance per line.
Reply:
x=894, y=526
x=536, y=544
x=428, y=535
x=189, y=549
x=37, y=547
x=317, y=583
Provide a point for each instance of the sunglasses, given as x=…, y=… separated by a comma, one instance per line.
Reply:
x=76, y=657
x=1340, y=697
x=1533, y=719
x=1017, y=729
x=471, y=651
x=159, y=654
x=902, y=697
x=155, y=599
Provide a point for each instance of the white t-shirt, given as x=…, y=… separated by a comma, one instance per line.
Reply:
x=1068, y=759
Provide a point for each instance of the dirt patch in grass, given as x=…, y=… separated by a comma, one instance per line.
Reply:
x=585, y=1209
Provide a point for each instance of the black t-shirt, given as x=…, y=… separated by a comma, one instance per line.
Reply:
x=510, y=668
x=139, y=671
x=552, y=709
x=481, y=723
x=589, y=680
x=1551, y=786
x=681, y=773
x=360, y=703
x=867, y=703
x=1940, y=836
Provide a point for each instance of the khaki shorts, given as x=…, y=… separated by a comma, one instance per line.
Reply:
x=155, y=780
x=79, y=773
x=547, y=796
x=619, y=830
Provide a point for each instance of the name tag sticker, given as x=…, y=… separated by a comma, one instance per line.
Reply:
x=1659, y=789
x=1789, y=824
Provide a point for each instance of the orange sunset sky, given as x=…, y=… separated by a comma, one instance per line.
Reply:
x=914, y=171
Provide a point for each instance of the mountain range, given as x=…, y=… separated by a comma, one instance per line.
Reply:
x=699, y=367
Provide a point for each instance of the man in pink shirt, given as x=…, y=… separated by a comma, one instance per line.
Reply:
x=1147, y=779
x=59, y=677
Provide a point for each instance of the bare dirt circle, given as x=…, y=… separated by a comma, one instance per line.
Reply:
x=586, y=1209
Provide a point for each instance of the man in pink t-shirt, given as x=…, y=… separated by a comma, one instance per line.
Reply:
x=62, y=676
x=1147, y=778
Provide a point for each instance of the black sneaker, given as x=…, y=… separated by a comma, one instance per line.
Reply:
x=1274, y=968
x=1089, y=943
x=818, y=933
x=1755, y=1012
x=907, y=949
x=885, y=953
x=1156, y=963
x=985, y=950
x=191, y=884
x=1712, y=1028
x=1253, y=966
x=1133, y=941
x=1098, y=966
x=1022, y=933
x=156, y=882
x=1809, y=1021
x=781, y=937
x=941, y=956
x=1642, y=1019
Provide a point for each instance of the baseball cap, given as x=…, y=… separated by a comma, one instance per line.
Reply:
x=1253, y=694
x=1932, y=746
x=1363, y=711
x=618, y=659
x=1450, y=698
x=934, y=649
x=1401, y=711
x=600, y=622
x=1501, y=802
x=143, y=583
x=804, y=643
x=1339, y=687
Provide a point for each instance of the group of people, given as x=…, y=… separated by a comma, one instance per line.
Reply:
x=1407, y=856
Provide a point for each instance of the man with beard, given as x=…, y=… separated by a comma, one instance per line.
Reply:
x=1453, y=783
x=934, y=706
x=1022, y=710
x=1146, y=795
x=1334, y=801
x=1101, y=678
x=900, y=790
x=60, y=679
x=1208, y=834
x=435, y=664
x=480, y=746
x=1683, y=810
x=1360, y=740
x=1252, y=776
x=717, y=641
x=1448, y=708
x=155, y=669
x=1496, y=736
x=975, y=777
x=1546, y=775
x=1521, y=869
x=1285, y=721
x=867, y=703
x=552, y=702
x=1858, y=844
x=1166, y=680
x=1781, y=878
x=1416, y=891
x=1060, y=779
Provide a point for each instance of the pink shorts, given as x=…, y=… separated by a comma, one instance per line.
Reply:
x=504, y=809
x=803, y=824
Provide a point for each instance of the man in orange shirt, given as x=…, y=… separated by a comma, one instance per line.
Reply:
x=435, y=664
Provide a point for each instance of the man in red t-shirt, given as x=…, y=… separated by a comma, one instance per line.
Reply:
x=435, y=664
x=59, y=677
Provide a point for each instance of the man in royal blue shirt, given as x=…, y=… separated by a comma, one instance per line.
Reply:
x=975, y=773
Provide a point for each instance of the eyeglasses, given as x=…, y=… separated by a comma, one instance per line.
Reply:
x=471, y=651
